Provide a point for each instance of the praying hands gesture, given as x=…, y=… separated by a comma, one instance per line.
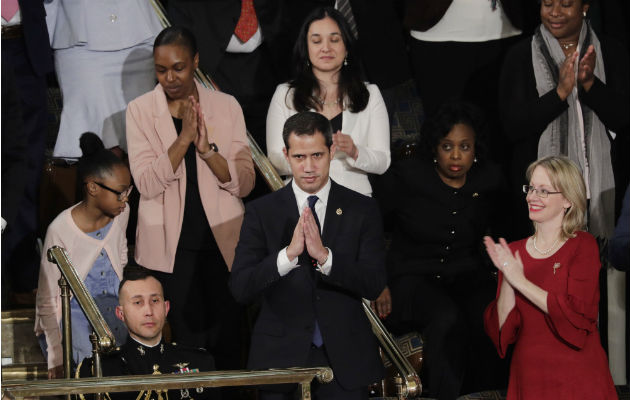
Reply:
x=306, y=235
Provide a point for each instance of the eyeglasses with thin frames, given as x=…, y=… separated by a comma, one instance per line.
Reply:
x=543, y=193
x=121, y=195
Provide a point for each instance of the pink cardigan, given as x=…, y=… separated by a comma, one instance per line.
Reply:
x=83, y=251
x=150, y=132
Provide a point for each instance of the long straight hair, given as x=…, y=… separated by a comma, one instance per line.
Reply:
x=351, y=91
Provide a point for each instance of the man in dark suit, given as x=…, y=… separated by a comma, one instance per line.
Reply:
x=310, y=286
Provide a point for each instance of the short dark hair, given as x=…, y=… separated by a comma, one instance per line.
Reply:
x=96, y=160
x=440, y=123
x=177, y=35
x=134, y=272
x=307, y=123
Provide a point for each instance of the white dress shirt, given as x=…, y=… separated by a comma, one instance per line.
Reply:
x=284, y=264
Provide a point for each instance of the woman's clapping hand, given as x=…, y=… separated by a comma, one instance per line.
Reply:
x=510, y=265
x=586, y=69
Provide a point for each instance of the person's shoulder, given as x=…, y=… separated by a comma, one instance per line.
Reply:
x=350, y=196
x=583, y=238
x=371, y=87
x=112, y=364
x=521, y=49
x=217, y=98
x=269, y=200
x=62, y=221
x=146, y=99
x=283, y=87
x=519, y=244
x=613, y=50
x=488, y=174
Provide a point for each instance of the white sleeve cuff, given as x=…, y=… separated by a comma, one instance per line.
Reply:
x=327, y=266
x=284, y=264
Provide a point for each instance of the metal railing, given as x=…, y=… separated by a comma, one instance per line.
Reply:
x=102, y=338
x=301, y=376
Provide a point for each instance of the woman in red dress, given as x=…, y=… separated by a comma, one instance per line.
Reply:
x=548, y=294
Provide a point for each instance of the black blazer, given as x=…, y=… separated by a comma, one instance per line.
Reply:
x=283, y=332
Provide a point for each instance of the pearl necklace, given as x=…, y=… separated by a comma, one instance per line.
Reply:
x=543, y=252
x=567, y=46
x=323, y=103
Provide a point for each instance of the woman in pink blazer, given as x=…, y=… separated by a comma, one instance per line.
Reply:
x=191, y=163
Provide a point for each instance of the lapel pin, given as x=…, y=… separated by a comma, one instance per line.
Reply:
x=475, y=194
x=339, y=212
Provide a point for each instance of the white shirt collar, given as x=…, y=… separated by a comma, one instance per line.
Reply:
x=144, y=344
x=302, y=197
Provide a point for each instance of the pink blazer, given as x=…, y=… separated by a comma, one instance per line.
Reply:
x=150, y=132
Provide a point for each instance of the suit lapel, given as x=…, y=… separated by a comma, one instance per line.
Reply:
x=334, y=214
x=288, y=204
x=163, y=121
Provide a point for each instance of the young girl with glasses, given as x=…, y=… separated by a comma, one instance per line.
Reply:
x=93, y=234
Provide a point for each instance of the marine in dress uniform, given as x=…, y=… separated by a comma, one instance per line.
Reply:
x=143, y=310
x=134, y=358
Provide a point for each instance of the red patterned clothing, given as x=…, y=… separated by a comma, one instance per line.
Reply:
x=556, y=355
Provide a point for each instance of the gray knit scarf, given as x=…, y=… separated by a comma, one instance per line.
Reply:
x=562, y=135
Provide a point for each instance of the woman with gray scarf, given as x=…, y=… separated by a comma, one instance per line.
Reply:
x=565, y=92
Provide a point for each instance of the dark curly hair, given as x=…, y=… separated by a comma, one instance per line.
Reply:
x=305, y=85
x=449, y=114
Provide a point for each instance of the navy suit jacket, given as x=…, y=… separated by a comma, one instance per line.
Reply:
x=289, y=305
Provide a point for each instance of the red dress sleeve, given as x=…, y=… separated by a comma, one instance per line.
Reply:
x=508, y=333
x=572, y=315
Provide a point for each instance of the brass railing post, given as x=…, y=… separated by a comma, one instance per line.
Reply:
x=96, y=356
x=305, y=389
x=67, y=328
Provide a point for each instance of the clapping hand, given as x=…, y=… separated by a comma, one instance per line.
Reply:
x=510, y=265
x=566, y=79
x=345, y=143
x=586, y=69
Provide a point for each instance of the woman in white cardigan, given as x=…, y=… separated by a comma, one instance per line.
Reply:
x=327, y=80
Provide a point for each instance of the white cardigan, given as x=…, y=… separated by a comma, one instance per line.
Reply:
x=369, y=130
